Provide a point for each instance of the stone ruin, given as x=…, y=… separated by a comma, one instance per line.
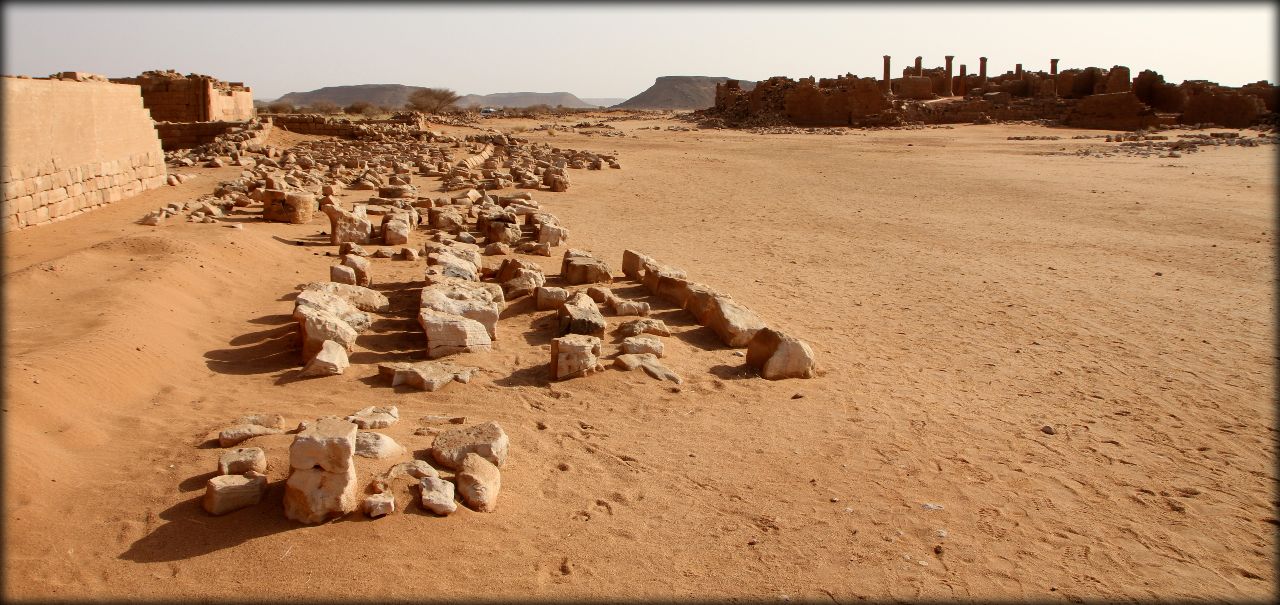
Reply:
x=323, y=482
x=74, y=142
x=1091, y=97
x=173, y=97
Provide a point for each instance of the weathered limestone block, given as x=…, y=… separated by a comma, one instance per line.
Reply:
x=438, y=496
x=329, y=444
x=379, y=505
x=647, y=362
x=479, y=483
x=510, y=266
x=319, y=325
x=487, y=440
x=357, y=319
x=497, y=249
x=242, y=460
x=647, y=325
x=547, y=298
x=699, y=299
x=234, y=435
x=454, y=265
x=330, y=361
x=314, y=495
x=580, y=315
x=447, y=218
x=375, y=417
x=376, y=445
x=448, y=334
x=342, y=274
x=296, y=208
x=502, y=232
x=362, y=268
x=523, y=283
x=226, y=493
x=395, y=232
x=642, y=344
x=579, y=270
x=630, y=307
x=471, y=302
x=779, y=356
x=732, y=322
x=347, y=227
x=362, y=298
x=574, y=355
x=552, y=235
x=426, y=375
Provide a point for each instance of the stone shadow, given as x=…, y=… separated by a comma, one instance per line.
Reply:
x=191, y=532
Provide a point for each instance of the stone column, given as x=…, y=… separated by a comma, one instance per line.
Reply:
x=982, y=68
x=919, y=66
x=964, y=86
x=885, y=84
x=1017, y=70
x=950, y=83
x=1053, y=67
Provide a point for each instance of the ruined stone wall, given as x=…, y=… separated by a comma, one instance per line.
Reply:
x=188, y=135
x=1229, y=109
x=1111, y=111
x=172, y=97
x=73, y=146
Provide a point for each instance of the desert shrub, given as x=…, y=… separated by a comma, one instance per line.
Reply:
x=432, y=100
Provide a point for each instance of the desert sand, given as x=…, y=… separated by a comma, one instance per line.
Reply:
x=960, y=290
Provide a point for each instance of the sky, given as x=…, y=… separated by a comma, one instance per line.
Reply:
x=603, y=51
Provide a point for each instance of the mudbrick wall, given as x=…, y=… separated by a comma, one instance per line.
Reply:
x=72, y=146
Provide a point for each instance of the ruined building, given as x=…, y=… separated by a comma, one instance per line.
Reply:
x=173, y=97
x=73, y=142
x=1089, y=97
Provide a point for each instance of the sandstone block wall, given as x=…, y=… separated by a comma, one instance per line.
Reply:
x=188, y=135
x=73, y=146
x=173, y=97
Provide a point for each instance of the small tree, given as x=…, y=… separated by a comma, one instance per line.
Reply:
x=357, y=108
x=432, y=100
x=372, y=110
x=324, y=107
x=281, y=107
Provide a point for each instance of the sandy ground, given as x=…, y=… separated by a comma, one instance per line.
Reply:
x=960, y=290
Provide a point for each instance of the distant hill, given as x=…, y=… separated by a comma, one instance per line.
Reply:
x=523, y=99
x=396, y=95
x=386, y=95
x=680, y=92
x=603, y=102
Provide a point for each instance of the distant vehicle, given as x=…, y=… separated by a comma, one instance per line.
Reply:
x=489, y=110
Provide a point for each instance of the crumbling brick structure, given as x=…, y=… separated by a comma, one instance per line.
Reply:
x=72, y=144
x=172, y=97
x=1090, y=97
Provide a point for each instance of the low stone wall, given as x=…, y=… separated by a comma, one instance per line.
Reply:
x=188, y=135
x=71, y=146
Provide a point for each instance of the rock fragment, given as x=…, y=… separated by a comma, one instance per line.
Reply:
x=242, y=460
x=487, y=440
x=778, y=356
x=227, y=493
x=479, y=483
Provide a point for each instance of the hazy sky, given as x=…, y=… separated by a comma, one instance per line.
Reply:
x=617, y=51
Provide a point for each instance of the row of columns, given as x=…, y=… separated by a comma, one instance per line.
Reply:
x=982, y=72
